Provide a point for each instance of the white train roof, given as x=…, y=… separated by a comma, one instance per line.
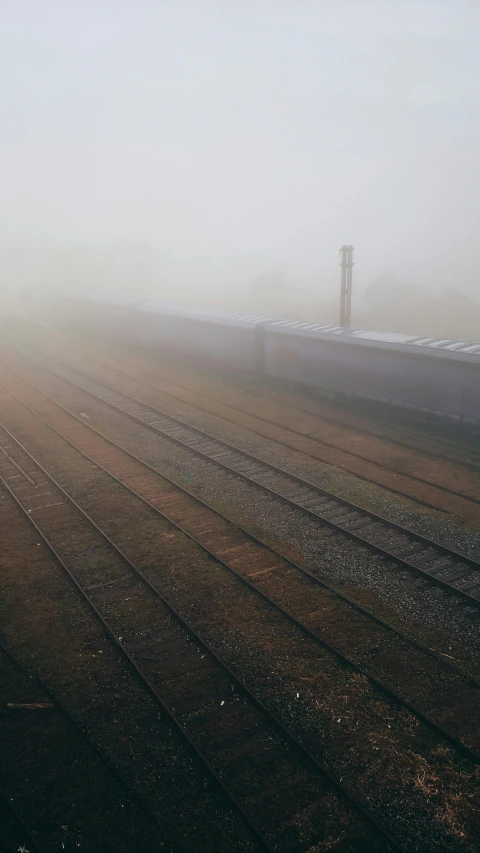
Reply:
x=229, y=317
x=317, y=330
x=466, y=350
x=448, y=345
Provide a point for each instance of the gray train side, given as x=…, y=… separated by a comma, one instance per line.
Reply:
x=428, y=375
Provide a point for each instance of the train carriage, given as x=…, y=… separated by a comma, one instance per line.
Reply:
x=430, y=375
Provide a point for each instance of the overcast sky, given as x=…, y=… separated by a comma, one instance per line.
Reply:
x=237, y=138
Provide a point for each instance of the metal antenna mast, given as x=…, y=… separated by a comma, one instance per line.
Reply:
x=346, y=285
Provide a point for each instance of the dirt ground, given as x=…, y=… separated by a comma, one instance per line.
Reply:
x=131, y=783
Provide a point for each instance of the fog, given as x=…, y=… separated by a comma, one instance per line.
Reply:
x=219, y=153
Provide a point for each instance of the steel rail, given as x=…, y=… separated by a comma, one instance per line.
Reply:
x=383, y=552
x=438, y=656
x=361, y=477
x=117, y=641
x=462, y=748
x=278, y=724
x=76, y=725
x=442, y=444
x=298, y=432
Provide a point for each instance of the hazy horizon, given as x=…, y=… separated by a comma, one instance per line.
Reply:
x=191, y=150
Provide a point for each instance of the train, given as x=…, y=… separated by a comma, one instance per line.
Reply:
x=424, y=375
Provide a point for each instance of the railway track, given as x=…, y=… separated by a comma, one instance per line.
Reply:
x=62, y=638
x=411, y=441
x=273, y=780
x=52, y=740
x=456, y=573
x=236, y=548
x=171, y=389
x=400, y=435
